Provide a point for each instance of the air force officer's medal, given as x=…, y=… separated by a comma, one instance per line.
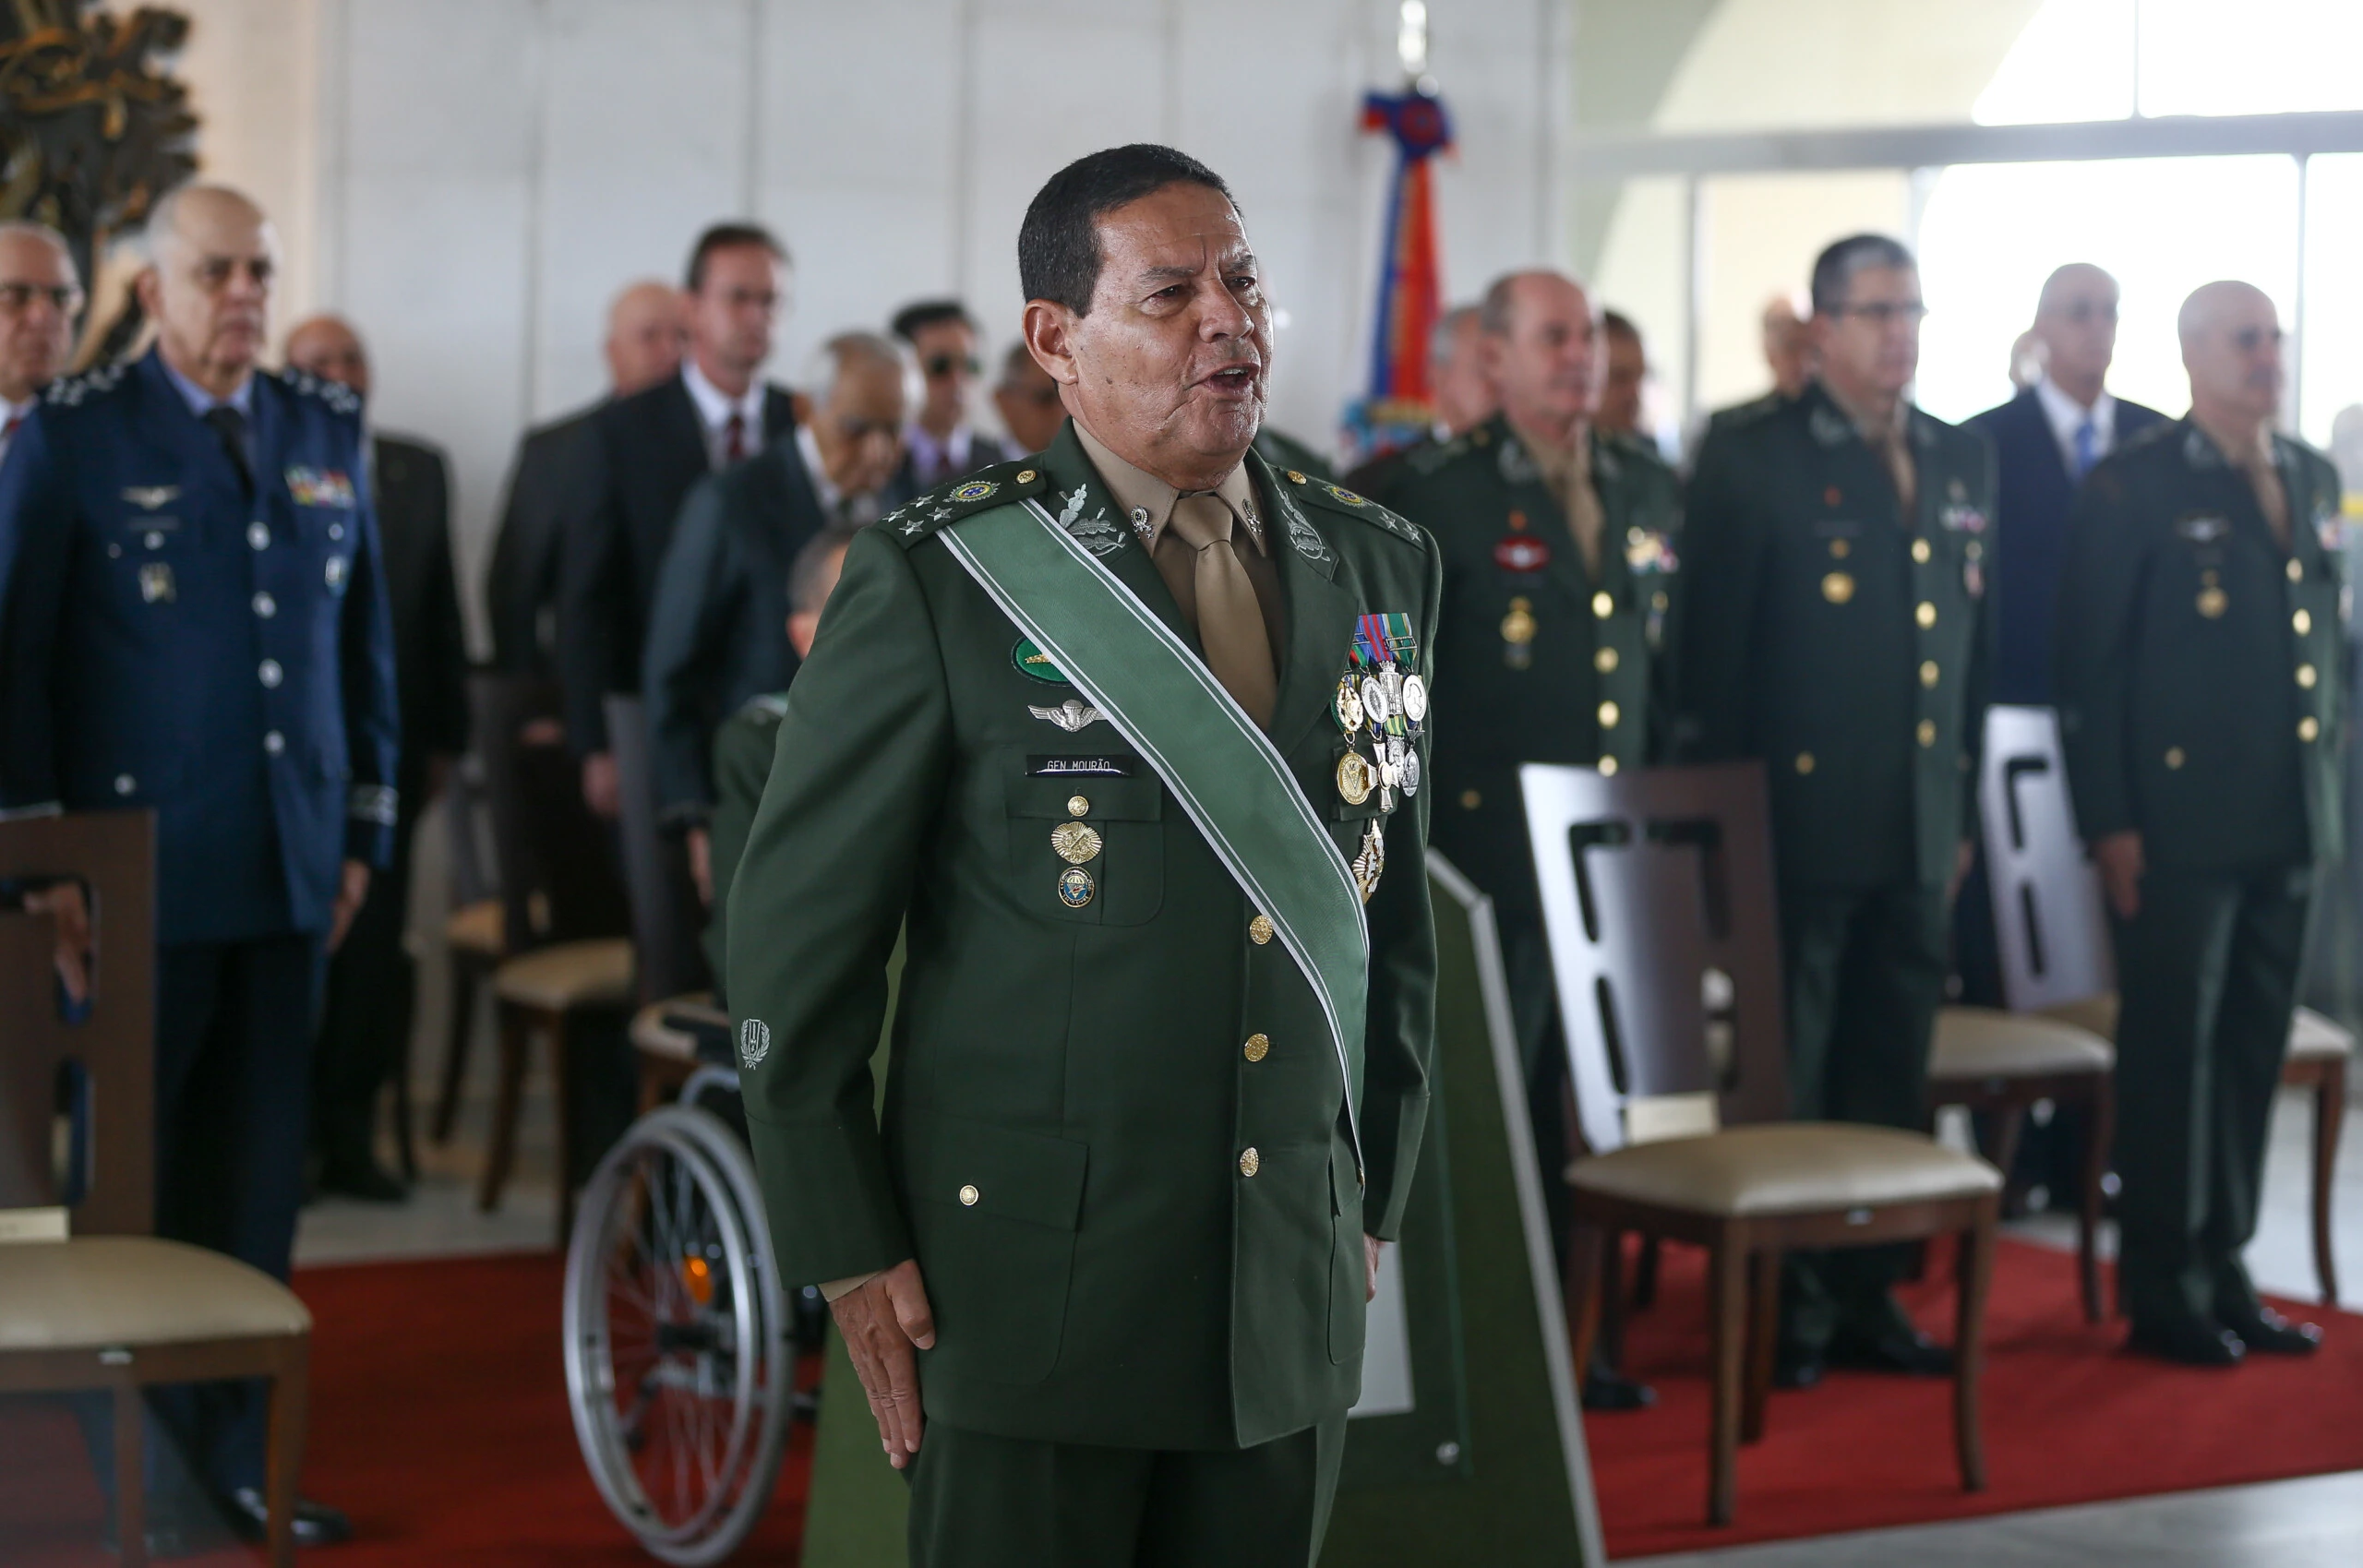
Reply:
x=336, y=571
x=156, y=583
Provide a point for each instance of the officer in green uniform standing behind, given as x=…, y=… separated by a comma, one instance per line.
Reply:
x=1835, y=626
x=1558, y=577
x=1129, y=739
x=2199, y=662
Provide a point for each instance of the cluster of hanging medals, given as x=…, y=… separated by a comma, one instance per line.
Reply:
x=1381, y=703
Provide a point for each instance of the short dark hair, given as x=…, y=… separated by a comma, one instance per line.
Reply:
x=1617, y=321
x=729, y=236
x=1837, y=265
x=916, y=317
x=804, y=596
x=1058, y=245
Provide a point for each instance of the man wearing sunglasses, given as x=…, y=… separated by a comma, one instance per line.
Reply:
x=944, y=446
x=40, y=297
x=1835, y=626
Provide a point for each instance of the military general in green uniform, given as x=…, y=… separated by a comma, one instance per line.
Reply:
x=1131, y=739
x=2199, y=662
x=1559, y=556
x=1835, y=626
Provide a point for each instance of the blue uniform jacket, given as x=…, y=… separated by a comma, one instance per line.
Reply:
x=170, y=645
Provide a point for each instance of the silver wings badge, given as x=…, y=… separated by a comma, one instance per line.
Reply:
x=1070, y=715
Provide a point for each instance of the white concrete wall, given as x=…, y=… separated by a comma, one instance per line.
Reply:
x=471, y=180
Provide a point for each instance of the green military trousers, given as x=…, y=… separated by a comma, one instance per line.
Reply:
x=985, y=1501
x=1866, y=972
x=2207, y=970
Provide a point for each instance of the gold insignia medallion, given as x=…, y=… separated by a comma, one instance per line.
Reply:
x=2213, y=603
x=1518, y=627
x=1075, y=841
x=1075, y=887
x=1355, y=780
x=1259, y=930
x=156, y=583
x=1369, y=861
x=1349, y=706
x=1838, y=588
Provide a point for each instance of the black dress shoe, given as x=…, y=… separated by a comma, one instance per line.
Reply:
x=1795, y=1368
x=316, y=1523
x=2276, y=1336
x=2194, y=1342
x=1607, y=1390
x=1895, y=1350
x=363, y=1179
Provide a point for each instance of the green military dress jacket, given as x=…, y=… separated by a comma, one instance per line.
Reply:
x=1115, y=1135
x=1544, y=663
x=2199, y=664
x=1844, y=645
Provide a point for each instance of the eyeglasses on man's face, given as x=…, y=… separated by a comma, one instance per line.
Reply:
x=1885, y=313
x=15, y=298
x=938, y=366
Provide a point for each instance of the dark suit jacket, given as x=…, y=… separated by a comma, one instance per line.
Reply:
x=983, y=452
x=522, y=579
x=717, y=633
x=2031, y=537
x=646, y=452
x=413, y=494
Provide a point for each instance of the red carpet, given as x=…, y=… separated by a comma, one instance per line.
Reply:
x=440, y=1421
x=2067, y=1419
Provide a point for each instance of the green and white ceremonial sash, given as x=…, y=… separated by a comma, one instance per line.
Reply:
x=1218, y=764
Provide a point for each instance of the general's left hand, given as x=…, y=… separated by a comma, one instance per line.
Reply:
x=1370, y=1244
x=349, y=895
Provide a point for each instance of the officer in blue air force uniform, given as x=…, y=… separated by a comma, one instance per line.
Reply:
x=195, y=624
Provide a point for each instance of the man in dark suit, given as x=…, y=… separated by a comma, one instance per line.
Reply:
x=2045, y=439
x=717, y=632
x=941, y=445
x=372, y=983
x=1027, y=401
x=521, y=585
x=643, y=454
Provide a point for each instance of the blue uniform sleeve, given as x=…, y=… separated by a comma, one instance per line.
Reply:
x=36, y=534
x=372, y=725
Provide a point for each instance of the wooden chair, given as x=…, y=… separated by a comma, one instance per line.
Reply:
x=2008, y=1063
x=563, y=915
x=476, y=933
x=2057, y=960
x=678, y=1022
x=89, y=1300
x=1657, y=896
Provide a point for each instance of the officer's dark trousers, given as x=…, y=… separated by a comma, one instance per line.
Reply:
x=983, y=1502
x=372, y=987
x=234, y=1025
x=2208, y=973
x=1866, y=973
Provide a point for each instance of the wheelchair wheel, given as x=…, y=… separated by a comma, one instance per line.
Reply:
x=678, y=1362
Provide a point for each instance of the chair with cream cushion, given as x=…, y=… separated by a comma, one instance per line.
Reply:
x=2319, y=1051
x=89, y=1300
x=1657, y=896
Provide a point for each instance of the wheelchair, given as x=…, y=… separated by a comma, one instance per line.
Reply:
x=681, y=1346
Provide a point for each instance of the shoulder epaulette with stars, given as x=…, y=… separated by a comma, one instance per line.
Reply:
x=946, y=503
x=1337, y=498
x=334, y=393
x=71, y=391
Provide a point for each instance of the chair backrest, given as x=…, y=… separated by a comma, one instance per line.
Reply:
x=2047, y=912
x=464, y=819
x=57, y=1151
x=665, y=910
x=555, y=861
x=1657, y=899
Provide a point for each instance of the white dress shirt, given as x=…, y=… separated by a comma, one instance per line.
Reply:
x=714, y=407
x=2067, y=416
x=835, y=505
x=11, y=415
x=934, y=462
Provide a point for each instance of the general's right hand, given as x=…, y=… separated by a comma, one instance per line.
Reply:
x=701, y=844
x=2119, y=858
x=65, y=903
x=600, y=790
x=886, y=1322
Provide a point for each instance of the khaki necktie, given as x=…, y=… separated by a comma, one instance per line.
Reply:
x=1896, y=453
x=2264, y=478
x=1568, y=478
x=1230, y=621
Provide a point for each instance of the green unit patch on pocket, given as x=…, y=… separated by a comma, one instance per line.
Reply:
x=1028, y=659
